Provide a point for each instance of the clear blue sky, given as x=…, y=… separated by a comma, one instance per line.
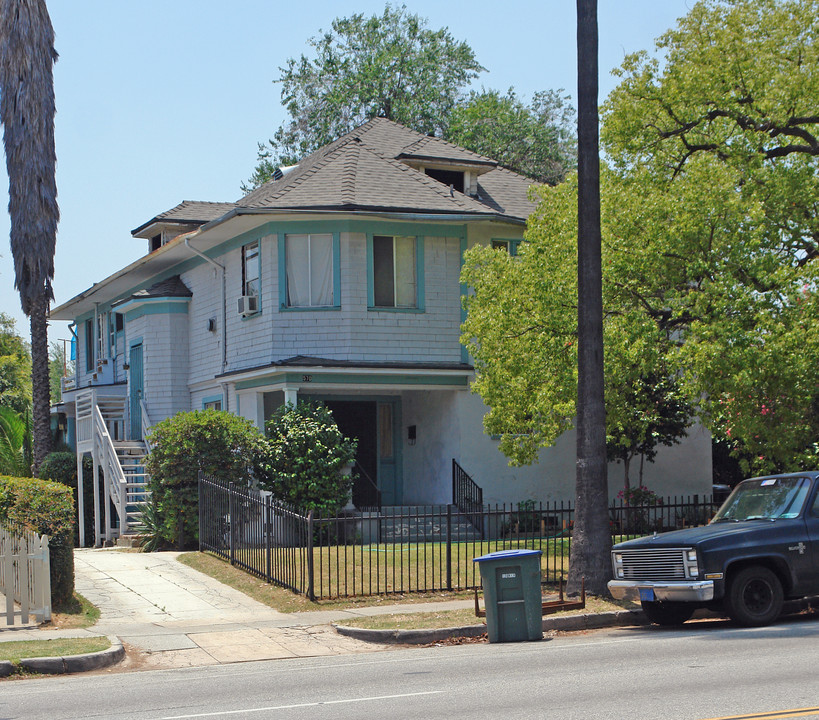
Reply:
x=160, y=101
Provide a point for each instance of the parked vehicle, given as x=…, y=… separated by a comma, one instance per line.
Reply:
x=759, y=550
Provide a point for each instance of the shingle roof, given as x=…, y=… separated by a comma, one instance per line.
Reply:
x=190, y=212
x=172, y=287
x=361, y=171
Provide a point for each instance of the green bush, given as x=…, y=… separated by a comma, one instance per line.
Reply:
x=218, y=443
x=307, y=454
x=61, y=467
x=46, y=508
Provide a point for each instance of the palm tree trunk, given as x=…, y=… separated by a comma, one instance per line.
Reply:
x=591, y=539
x=27, y=57
x=40, y=385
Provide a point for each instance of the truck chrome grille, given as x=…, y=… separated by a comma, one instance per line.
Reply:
x=653, y=564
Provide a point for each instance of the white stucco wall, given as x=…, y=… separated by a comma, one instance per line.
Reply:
x=449, y=425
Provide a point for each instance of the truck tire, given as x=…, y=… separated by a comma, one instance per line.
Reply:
x=667, y=613
x=754, y=596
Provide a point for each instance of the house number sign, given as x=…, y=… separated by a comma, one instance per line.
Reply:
x=307, y=378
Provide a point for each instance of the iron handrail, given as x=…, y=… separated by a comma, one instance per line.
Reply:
x=467, y=496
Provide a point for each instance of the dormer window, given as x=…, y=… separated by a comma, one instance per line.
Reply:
x=156, y=242
x=454, y=178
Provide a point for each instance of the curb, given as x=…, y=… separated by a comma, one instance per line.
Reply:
x=567, y=623
x=76, y=663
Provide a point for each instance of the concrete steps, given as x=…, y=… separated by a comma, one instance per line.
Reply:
x=423, y=523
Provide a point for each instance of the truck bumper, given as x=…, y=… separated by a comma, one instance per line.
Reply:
x=686, y=591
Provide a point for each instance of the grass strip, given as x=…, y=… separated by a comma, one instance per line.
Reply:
x=18, y=650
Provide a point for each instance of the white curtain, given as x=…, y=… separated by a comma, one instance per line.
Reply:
x=321, y=270
x=309, y=261
x=405, y=274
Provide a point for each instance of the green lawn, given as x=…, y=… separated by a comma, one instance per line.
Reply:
x=386, y=568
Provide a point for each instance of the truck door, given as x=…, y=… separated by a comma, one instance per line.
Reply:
x=811, y=551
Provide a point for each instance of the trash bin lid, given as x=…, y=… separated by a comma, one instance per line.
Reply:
x=504, y=554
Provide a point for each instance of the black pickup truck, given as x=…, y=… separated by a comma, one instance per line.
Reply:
x=760, y=549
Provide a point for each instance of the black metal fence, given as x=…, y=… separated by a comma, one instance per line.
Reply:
x=406, y=549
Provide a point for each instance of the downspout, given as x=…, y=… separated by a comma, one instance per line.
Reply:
x=224, y=298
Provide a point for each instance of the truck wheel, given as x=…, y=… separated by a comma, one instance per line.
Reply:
x=667, y=613
x=754, y=596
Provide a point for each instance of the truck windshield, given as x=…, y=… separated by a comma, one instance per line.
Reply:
x=765, y=499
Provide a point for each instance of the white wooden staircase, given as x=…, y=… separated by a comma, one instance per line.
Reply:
x=119, y=465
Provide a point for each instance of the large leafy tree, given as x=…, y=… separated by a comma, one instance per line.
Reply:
x=27, y=57
x=536, y=139
x=390, y=65
x=394, y=66
x=720, y=131
x=15, y=368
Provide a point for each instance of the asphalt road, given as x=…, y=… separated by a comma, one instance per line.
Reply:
x=705, y=670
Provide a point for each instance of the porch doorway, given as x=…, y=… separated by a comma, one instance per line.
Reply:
x=135, y=391
x=373, y=424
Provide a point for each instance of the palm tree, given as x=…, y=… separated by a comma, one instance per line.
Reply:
x=591, y=537
x=27, y=58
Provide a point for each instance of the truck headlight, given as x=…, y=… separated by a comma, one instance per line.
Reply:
x=617, y=565
x=691, y=567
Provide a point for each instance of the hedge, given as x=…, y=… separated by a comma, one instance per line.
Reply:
x=61, y=467
x=46, y=508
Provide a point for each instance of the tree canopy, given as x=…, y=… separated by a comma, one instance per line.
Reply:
x=710, y=240
x=15, y=368
x=391, y=66
x=535, y=139
x=395, y=66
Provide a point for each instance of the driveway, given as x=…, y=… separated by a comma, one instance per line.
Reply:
x=179, y=617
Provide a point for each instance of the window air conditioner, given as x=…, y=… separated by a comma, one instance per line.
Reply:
x=248, y=305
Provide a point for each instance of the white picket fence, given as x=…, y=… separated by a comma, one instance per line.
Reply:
x=24, y=576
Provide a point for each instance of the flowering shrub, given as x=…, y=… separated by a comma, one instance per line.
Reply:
x=641, y=495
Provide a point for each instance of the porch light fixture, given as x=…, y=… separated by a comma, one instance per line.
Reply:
x=411, y=434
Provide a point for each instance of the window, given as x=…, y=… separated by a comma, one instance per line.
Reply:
x=89, y=345
x=215, y=404
x=115, y=327
x=510, y=246
x=455, y=178
x=102, y=335
x=310, y=271
x=250, y=269
x=395, y=282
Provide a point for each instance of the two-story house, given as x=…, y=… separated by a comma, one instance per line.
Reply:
x=337, y=281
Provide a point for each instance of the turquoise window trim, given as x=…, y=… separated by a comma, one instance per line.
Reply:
x=513, y=244
x=420, y=291
x=134, y=341
x=341, y=225
x=282, y=255
x=212, y=399
x=258, y=243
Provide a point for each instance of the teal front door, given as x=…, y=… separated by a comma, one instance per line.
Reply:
x=389, y=471
x=135, y=381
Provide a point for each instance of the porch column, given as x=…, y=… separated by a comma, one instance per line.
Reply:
x=291, y=396
x=80, y=501
x=250, y=405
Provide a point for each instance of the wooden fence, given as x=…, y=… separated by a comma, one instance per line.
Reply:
x=24, y=576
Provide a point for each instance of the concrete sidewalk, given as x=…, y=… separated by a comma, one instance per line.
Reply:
x=179, y=617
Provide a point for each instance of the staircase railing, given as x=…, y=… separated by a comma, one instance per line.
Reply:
x=467, y=496
x=114, y=478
